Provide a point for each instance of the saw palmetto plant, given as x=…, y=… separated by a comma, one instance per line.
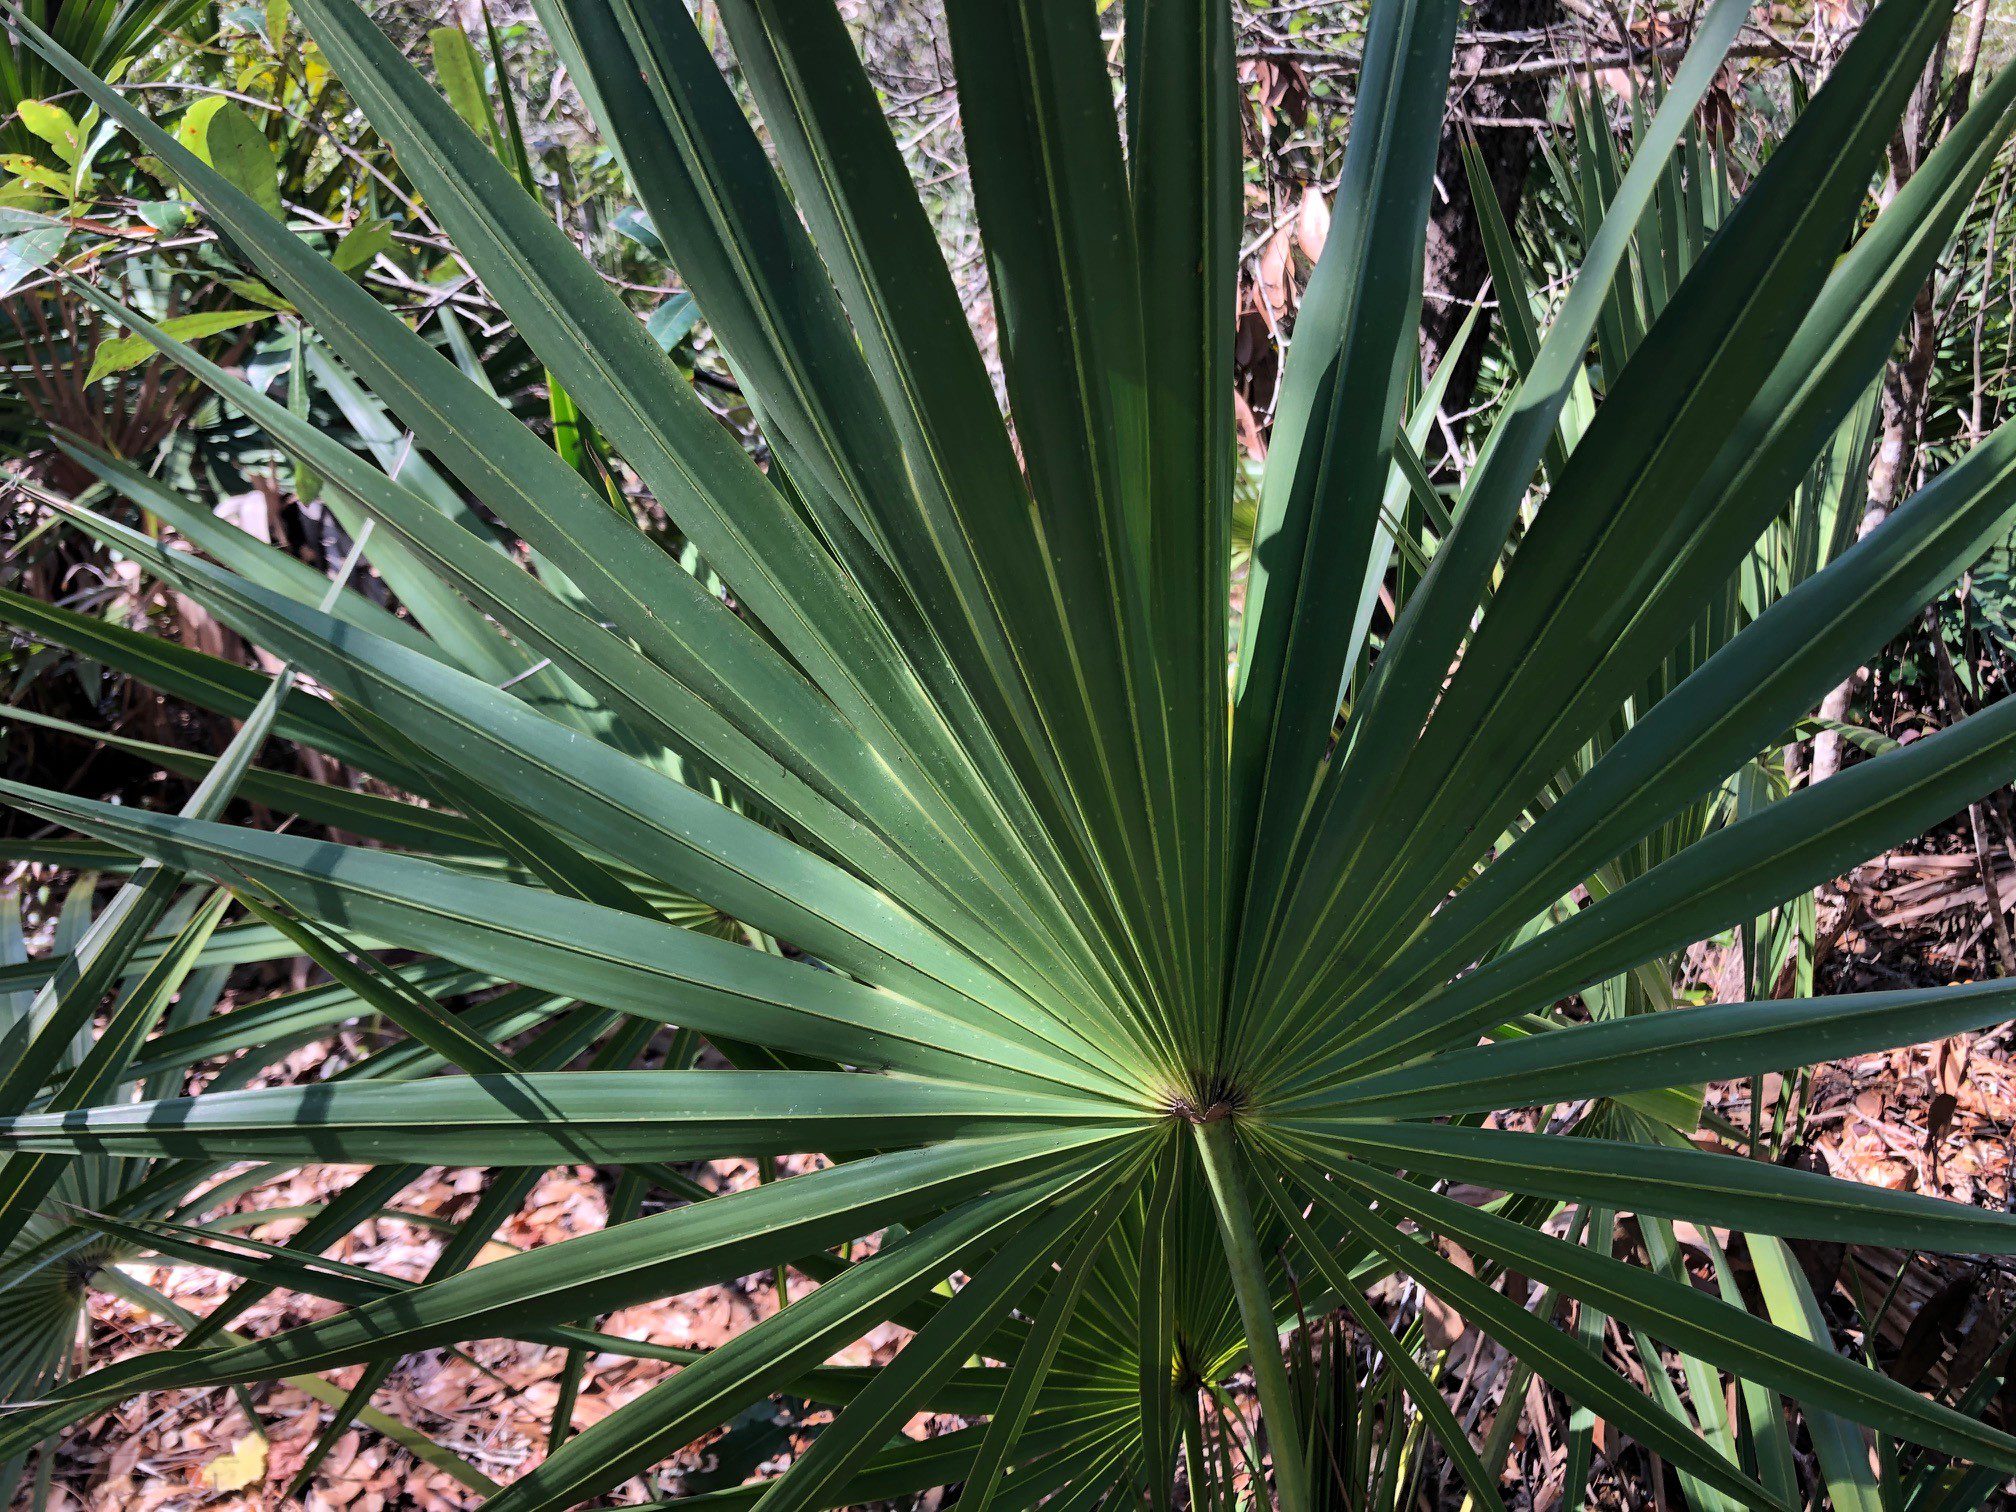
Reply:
x=1139, y=1012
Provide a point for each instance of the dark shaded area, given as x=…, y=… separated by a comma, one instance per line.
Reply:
x=1497, y=113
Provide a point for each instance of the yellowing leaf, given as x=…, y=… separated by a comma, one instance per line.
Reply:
x=244, y=1466
x=123, y=352
x=193, y=130
x=26, y=169
x=19, y=194
x=54, y=125
x=251, y=290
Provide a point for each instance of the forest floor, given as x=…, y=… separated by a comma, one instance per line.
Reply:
x=490, y=1405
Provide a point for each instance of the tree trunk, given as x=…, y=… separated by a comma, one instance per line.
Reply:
x=1494, y=111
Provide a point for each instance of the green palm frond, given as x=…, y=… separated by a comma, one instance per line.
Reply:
x=1158, y=1004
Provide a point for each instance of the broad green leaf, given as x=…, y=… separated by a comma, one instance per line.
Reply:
x=359, y=246
x=461, y=74
x=116, y=354
x=33, y=181
x=28, y=252
x=223, y=136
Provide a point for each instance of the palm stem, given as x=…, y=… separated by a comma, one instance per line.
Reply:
x=1225, y=1172
x=1193, y=1448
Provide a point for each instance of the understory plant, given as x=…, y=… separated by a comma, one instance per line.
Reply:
x=1138, y=1013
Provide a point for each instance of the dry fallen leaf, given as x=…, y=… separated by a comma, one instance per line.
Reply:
x=244, y=1466
x=1441, y=1322
x=1312, y=223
